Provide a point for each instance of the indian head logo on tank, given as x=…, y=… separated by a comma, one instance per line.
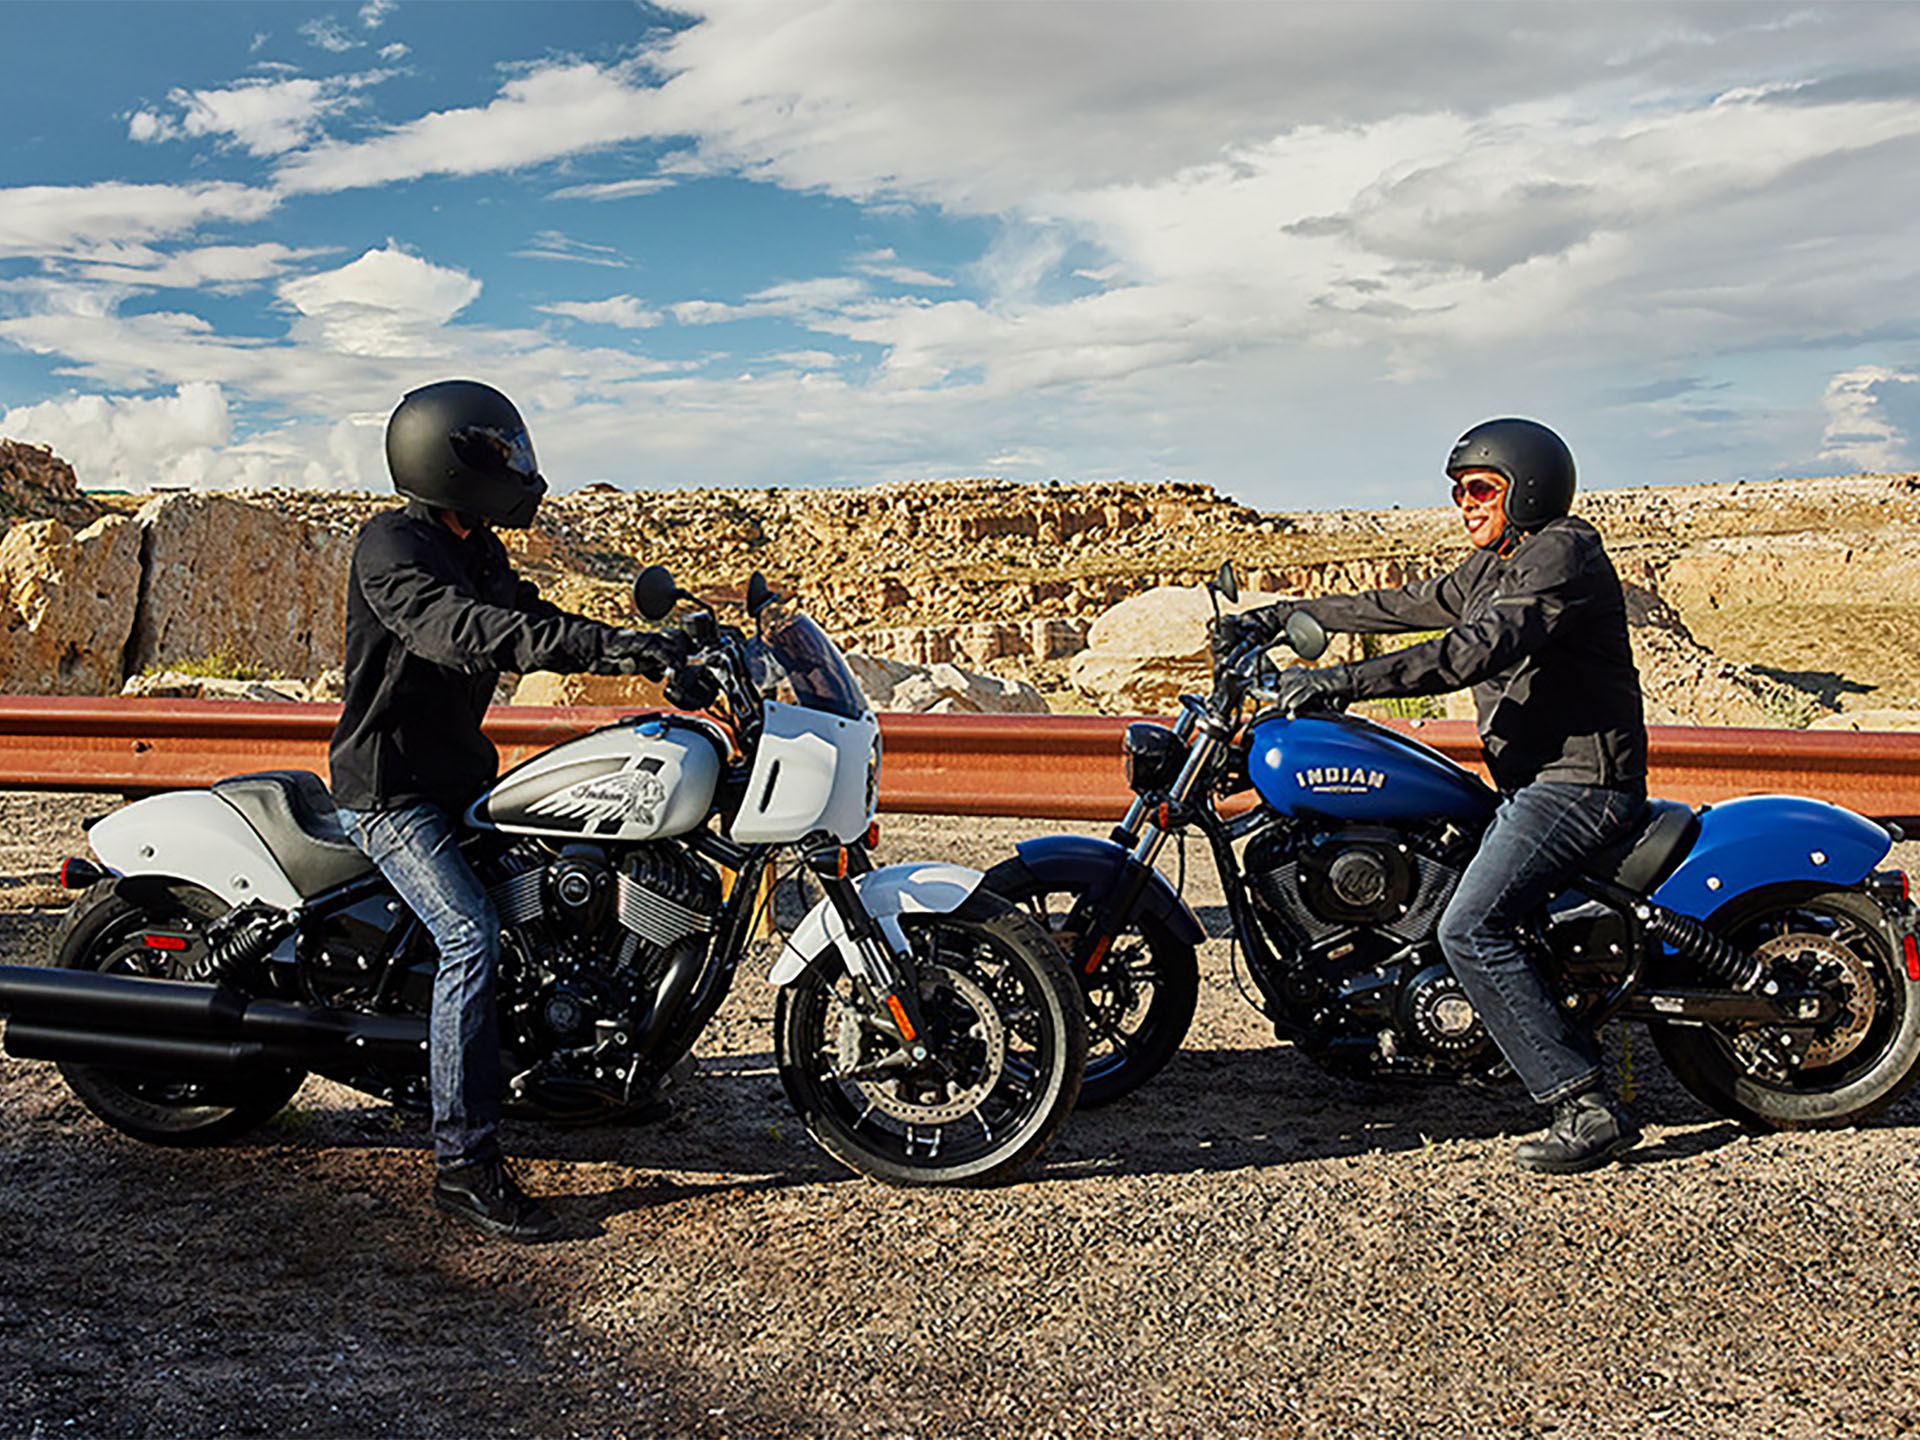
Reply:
x=629, y=796
x=1339, y=779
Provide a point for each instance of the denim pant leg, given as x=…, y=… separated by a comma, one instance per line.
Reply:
x=1539, y=837
x=415, y=849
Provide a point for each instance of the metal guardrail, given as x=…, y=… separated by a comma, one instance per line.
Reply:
x=1064, y=767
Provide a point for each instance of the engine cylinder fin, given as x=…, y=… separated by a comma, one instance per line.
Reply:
x=519, y=898
x=653, y=917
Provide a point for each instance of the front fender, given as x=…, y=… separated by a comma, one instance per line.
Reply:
x=193, y=835
x=1082, y=862
x=925, y=888
x=1768, y=840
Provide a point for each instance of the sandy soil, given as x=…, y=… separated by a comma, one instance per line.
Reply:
x=1248, y=1247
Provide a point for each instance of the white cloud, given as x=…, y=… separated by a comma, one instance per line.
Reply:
x=394, y=52
x=885, y=265
x=544, y=114
x=386, y=303
x=622, y=311
x=37, y=221
x=263, y=115
x=553, y=245
x=132, y=443
x=218, y=268
x=374, y=13
x=810, y=300
x=326, y=34
x=614, y=189
x=1871, y=412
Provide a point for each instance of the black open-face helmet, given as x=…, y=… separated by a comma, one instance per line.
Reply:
x=460, y=445
x=1536, y=463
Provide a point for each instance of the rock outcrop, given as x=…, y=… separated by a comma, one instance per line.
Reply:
x=68, y=603
x=36, y=484
x=224, y=578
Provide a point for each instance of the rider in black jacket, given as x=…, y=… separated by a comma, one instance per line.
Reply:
x=434, y=614
x=1535, y=621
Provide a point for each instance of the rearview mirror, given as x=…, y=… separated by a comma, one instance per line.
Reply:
x=655, y=593
x=1306, y=635
x=759, y=594
x=1225, y=583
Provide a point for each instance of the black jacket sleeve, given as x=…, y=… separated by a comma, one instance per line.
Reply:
x=1510, y=614
x=1424, y=605
x=419, y=595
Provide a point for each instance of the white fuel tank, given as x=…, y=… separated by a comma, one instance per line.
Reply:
x=639, y=779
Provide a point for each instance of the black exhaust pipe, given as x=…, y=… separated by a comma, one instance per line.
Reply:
x=178, y=1027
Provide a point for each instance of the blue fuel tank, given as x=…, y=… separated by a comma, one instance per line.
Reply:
x=1344, y=767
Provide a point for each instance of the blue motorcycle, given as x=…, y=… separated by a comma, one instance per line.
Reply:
x=1775, y=966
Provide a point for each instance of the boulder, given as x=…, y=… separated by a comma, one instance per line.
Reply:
x=627, y=692
x=67, y=605
x=227, y=578
x=941, y=689
x=178, y=685
x=1882, y=719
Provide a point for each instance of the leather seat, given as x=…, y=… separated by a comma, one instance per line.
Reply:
x=1653, y=852
x=293, y=814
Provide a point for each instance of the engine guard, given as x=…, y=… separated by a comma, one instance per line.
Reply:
x=926, y=888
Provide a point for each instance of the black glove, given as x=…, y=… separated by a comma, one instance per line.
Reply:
x=692, y=689
x=1230, y=632
x=651, y=653
x=1300, y=689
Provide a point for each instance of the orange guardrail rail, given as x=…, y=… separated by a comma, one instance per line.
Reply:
x=1064, y=767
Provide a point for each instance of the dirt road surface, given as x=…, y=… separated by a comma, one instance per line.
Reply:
x=1246, y=1248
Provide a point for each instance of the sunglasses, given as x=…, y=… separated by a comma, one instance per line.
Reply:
x=1476, y=489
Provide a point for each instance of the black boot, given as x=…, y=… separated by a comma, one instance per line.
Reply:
x=484, y=1194
x=1588, y=1130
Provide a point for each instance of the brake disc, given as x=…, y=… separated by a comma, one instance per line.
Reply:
x=1825, y=961
x=910, y=1097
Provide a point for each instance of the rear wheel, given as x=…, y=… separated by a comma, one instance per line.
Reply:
x=109, y=929
x=1855, y=1065
x=1006, y=1043
x=1140, y=998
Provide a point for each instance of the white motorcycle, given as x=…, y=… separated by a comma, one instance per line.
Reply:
x=232, y=940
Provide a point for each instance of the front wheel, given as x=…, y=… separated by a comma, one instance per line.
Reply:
x=1140, y=998
x=1006, y=1043
x=1854, y=1066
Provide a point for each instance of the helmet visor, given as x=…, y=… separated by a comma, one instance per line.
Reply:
x=490, y=450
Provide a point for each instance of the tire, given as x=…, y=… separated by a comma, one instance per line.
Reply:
x=1857, y=1065
x=101, y=933
x=1140, y=1001
x=1009, y=1042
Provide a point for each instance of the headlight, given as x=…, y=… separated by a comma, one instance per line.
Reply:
x=1154, y=755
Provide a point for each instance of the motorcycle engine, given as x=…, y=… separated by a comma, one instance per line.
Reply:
x=593, y=937
x=1351, y=911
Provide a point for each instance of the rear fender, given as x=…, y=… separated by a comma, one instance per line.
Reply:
x=1084, y=862
x=1769, y=840
x=193, y=835
x=888, y=893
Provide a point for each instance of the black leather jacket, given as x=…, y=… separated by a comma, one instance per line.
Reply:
x=1540, y=633
x=432, y=620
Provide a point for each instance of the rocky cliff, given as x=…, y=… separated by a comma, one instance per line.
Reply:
x=1774, y=603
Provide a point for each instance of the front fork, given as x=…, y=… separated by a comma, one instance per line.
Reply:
x=1100, y=917
x=889, y=987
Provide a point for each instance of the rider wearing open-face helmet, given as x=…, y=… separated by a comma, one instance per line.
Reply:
x=435, y=613
x=1535, y=622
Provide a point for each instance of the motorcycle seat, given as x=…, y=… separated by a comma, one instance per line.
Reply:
x=1651, y=853
x=293, y=814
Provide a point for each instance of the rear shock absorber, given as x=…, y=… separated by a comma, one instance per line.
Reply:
x=231, y=952
x=1687, y=936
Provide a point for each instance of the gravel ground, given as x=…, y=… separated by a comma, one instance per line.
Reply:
x=1247, y=1247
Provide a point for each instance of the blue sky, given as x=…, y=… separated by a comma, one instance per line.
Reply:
x=1290, y=250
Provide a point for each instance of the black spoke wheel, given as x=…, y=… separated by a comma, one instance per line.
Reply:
x=1005, y=1044
x=1140, y=998
x=1853, y=1066
x=107, y=930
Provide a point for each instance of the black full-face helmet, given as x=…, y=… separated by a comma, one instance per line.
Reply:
x=1536, y=463
x=460, y=445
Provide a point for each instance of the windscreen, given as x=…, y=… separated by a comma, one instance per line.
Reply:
x=794, y=662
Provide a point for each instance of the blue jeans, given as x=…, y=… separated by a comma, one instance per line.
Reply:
x=415, y=849
x=1540, y=836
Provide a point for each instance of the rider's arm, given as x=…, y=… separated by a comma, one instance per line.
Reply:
x=418, y=593
x=1546, y=583
x=1429, y=604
